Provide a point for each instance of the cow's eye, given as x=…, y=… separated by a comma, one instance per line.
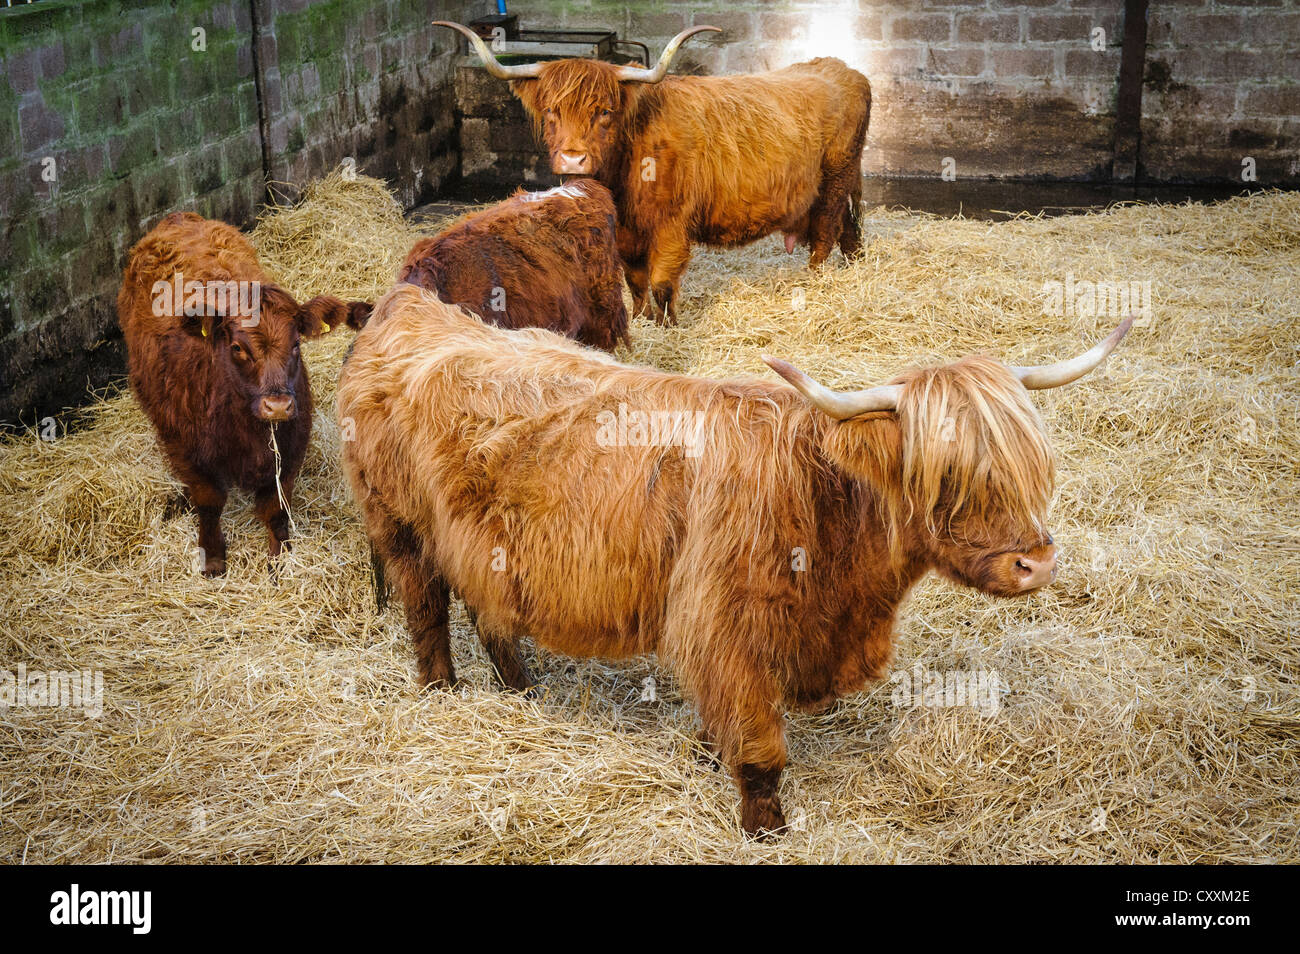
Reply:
x=238, y=351
x=606, y=113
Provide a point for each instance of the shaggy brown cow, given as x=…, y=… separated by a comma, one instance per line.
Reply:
x=720, y=160
x=538, y=259
x=213, y=359
x=758, y=539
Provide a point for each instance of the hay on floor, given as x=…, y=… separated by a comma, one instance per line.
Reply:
x=1150, y=703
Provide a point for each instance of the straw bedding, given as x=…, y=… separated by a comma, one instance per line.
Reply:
x=1149, y=710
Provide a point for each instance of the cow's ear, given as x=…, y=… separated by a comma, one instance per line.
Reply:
x=869, y=448
x=323, y=314
x=359, y=313
x=205, y=327
x=529, y=92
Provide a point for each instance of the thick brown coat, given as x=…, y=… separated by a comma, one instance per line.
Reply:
x=717, y=160
x=759, y=546
x=536, y=260
x=214, y=383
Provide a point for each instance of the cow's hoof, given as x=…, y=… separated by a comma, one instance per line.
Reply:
x=706, y=754
x=664, y=304
x=438, y=679
x=214, y=566
x=819, y=707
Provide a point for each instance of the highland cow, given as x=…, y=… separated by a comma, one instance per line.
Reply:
x=214, y=362
x=718, y=160
x=763, y=553
x=536, y=260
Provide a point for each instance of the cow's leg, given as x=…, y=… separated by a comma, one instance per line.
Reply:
x=266, y=504
x=738, y=706
x=825, y=226
x=827, y=220
x=427, y=600
x=637, y=275
x=177, y=504
x=632, y=251
x=669, y=254
x=760, y=807
x=209, y=500
x=424, y=594
x=503, y=650
x=611, y=316
x=707, y=753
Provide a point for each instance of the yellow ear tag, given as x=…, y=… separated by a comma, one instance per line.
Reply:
x=327, y=329
x=204, y=329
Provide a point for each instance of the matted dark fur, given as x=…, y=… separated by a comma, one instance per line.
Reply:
x=537, y=260
x=214, y=384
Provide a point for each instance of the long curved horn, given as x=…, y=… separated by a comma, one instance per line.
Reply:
x=1063, y=372
x=635, y=74
x=839, y=405
x=499, y=70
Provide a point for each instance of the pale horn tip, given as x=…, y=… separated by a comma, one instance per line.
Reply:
x=783, y=368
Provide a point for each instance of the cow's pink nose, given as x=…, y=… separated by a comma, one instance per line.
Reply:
x=276, y=407
x=1036, y=571
x=571, y=163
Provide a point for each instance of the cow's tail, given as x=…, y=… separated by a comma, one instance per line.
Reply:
x=853, y=214
x=851, y=229
x=851, y=232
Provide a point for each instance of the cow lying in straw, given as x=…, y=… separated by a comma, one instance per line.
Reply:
x=213, y=360
x=536, y=260
x=759, y=538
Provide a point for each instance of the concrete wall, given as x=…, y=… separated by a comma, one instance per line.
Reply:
x=1007, y=88
x=110, y=118
x=1222, y=84
x=359, y=78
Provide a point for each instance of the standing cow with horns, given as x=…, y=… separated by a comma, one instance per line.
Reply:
x=481, y=463
x=718, y=160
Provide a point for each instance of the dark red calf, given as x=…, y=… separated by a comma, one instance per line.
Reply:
x=214, y=362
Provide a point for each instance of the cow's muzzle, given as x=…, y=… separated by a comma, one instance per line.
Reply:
x=1035, y=568
x=571, y=164
x=276, y=407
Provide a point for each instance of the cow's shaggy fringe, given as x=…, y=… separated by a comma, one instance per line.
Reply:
x=1150, y=703
x=971, y=431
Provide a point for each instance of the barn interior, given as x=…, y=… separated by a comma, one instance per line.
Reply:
x=1144, y=707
